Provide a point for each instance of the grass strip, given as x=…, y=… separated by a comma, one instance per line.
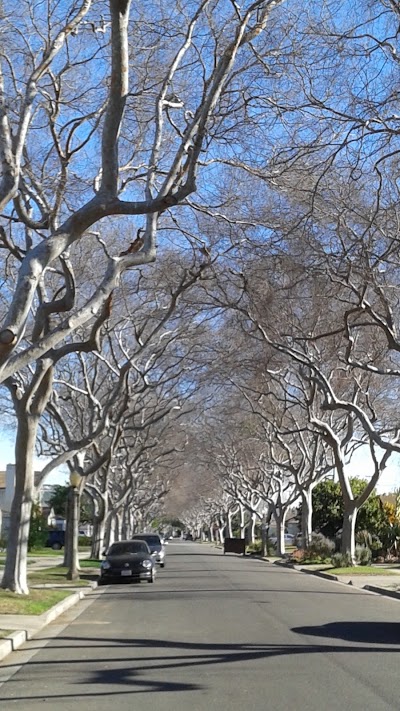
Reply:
x=37, y=602
x=5, y=633
x=89, y=563
x=39, y=552
x=55, y=576
x=359, y=570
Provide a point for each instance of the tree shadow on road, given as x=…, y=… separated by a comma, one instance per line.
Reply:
x=365, y=632
x=141, y=666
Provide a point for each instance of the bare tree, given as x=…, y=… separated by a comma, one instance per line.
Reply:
x=171, y=155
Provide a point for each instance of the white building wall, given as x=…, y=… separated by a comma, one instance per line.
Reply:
x=10, y=486
x=6, y=498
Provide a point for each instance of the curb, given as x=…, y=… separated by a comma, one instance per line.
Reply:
x=369, y=588
x=382, y=591
x=320, y=574
x=317, y=573
x=14, y=640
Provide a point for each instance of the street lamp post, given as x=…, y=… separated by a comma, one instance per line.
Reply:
x=73, y=509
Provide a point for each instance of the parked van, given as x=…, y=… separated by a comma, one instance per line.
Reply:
x=55, y=540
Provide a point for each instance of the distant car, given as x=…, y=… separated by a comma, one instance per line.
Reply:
x=187, y=536
x=299, y=540
x=289, y=540
x=155, y=544
x=55, y=540
x=128, y=560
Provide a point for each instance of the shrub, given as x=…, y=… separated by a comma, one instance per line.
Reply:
x=320, y=546
x=363, y=555
x=341, y=560
x=84, y=541
x=364, y=538
x=304, y=557
x=37, y=530
x=255, y=547
x=298, y=556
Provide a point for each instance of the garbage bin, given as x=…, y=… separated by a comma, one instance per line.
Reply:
x=235, y=545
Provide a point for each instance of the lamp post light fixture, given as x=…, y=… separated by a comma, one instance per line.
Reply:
x=73, y=526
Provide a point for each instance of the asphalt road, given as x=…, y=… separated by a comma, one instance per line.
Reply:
x=214, y=632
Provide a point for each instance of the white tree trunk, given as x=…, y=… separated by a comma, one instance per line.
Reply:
x=242, y=523
x=229, y=524
x=253, y=528
x=109, y=530
x=306, y=517
x=280, y=519
x=98, y=545
x=349, y=531
x=99, y=526
x=118, y=525
x=15, y=572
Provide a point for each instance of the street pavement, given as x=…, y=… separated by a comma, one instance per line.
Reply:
x=213, y=633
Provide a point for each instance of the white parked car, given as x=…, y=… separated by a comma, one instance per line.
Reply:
x=289, y=540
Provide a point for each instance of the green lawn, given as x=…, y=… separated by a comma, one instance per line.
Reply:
x=89, y=563
x=35, y=603
x=56, y=575
x=39, y=552
x=4, y=633
x=30, y=561
x=360, y=570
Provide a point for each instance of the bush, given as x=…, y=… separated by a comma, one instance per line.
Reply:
x=298, y=556
x=341, y=560
x=364, y=538
x=320, y=546
x=305, y=557
x=363, y=555
x=255, y=547
x=84, y=541
x=37, y=530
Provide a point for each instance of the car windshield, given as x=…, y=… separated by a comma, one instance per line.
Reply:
x=128, y=547
x=151, y=540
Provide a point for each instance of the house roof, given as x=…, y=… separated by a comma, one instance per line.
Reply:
x=2, y=480
x=388, y=499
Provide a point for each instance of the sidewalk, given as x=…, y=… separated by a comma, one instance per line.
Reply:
x=20, y=628
x=382, y=584
x=23, y=627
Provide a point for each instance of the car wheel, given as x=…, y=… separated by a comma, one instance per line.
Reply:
x=151, y=580
x=162, y=565
x=56, y=546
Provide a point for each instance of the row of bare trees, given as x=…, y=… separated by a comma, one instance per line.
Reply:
x=89, y=132
x=256, y=144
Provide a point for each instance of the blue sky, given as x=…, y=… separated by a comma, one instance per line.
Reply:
x=390, y=480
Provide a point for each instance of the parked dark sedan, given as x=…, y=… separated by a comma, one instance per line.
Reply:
x=128, y=560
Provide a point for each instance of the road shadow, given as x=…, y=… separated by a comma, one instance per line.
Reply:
x=365, y=632
x=146, y=665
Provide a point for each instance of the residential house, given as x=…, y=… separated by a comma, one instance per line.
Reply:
x=7, y=486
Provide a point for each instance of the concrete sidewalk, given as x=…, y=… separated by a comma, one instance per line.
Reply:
x=23, y=627
x=382, y=584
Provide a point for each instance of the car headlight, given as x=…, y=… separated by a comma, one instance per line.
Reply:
x=105, y=565
x=146, y=563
